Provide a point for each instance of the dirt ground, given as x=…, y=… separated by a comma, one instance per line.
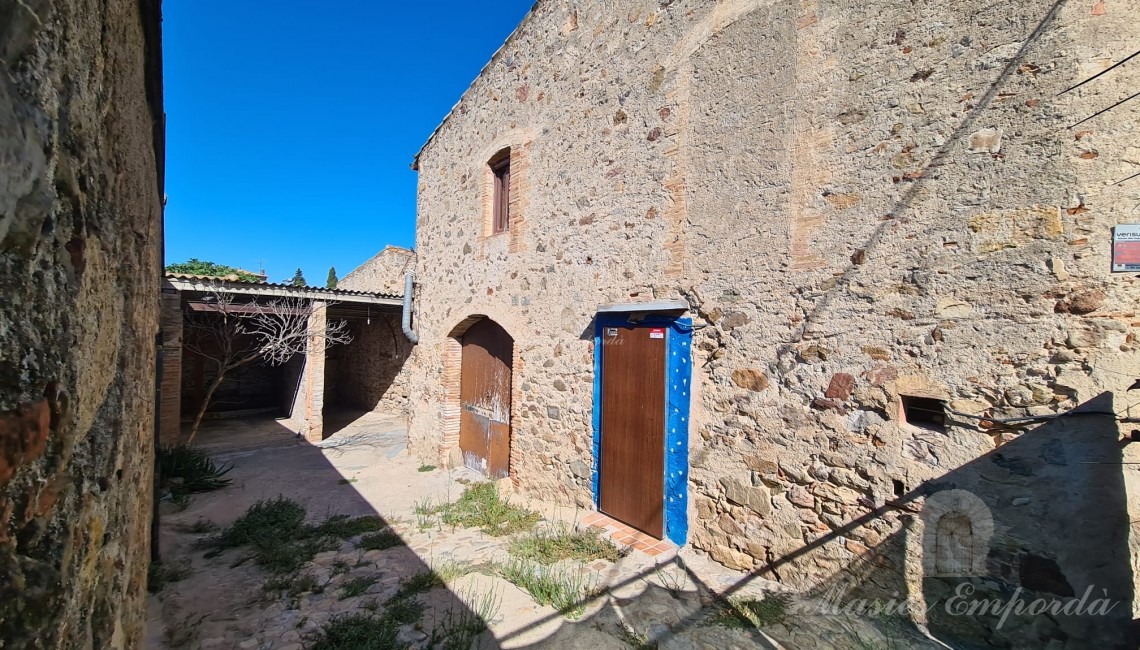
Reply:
x=364, y=469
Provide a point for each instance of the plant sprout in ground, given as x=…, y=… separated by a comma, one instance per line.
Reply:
x=459, y=627
x=380, y=541
x=357, y=586
x=751, y=613
x=566, y=589
x=281, y=542
x=184, y=470
x=563, y=543
x=481, y=506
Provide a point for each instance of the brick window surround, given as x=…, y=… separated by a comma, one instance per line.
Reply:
x=504, y=195
x=500, y=166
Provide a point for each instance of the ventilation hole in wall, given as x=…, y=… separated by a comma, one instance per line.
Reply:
x=900, y=488
x=924, y=412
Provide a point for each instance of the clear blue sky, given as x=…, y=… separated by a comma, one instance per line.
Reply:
x=291, y=125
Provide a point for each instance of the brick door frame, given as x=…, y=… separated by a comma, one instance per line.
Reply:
x=452, y=364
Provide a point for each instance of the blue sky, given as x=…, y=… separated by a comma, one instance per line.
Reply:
x=291, y=125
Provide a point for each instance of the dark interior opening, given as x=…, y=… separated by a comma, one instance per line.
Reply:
x=924, y=412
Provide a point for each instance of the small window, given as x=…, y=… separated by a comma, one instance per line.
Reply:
x=500, y=166
x=924, y=412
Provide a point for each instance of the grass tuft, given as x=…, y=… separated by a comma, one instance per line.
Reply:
x=460, y=627
x=343, y=526
x=403, y=610
x=482, y=507
x=380, y=541
x=184, y=470
x=296, y=584
x=418, y=583
x=566, y=589
x=548, y=547
x=199, y=527
x=426, y=468
x=356, y=586
x=161, y=574
x=358, y=632
x=750, y=613
x=281, y=541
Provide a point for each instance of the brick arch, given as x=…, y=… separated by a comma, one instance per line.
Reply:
x=452, y=364
x=955, y=521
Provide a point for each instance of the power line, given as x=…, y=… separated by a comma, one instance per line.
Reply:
x=1114, y=65
x=1105, y=110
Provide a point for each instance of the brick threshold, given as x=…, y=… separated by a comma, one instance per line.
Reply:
x=626, y=535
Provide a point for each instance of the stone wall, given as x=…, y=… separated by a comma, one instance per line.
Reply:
x=80, y=237
x=859, y=201
x=366, y=373
x=382, y=273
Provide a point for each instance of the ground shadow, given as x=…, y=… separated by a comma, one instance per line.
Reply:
x=224, y=600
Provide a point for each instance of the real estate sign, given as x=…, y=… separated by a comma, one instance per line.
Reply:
x=1126, y=248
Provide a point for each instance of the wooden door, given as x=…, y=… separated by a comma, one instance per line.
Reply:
x=485, y=399
x=631, y=478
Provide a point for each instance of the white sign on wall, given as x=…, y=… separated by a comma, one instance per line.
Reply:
x=1126, y=248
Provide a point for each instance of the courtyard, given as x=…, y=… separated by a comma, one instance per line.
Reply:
x=403, y=565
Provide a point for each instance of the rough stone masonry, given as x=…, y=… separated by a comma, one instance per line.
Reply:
x=80, y=235
x=862, y=203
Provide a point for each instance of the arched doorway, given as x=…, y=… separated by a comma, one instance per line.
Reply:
x=485, y=398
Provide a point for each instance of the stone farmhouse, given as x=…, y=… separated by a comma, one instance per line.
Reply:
x=820, y=289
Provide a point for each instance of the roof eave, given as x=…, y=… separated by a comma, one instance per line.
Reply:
x=281, y=291
x=435, y=131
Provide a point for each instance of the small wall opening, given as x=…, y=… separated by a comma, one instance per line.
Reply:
x=923, y=412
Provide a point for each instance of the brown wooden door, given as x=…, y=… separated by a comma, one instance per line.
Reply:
x=631, y=478
x=485, y=399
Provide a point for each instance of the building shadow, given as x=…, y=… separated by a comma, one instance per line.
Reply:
x=1025, y=546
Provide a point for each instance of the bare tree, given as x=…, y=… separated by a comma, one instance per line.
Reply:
x=232, y=334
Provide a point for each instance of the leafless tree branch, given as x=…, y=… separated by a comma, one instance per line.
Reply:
x=231, y=334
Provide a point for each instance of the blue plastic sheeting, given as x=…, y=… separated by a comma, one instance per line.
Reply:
x=678, y=392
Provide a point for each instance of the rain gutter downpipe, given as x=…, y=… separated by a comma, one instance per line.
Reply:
x=407, y=316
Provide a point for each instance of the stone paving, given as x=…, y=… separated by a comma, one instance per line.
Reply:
x=656, y=596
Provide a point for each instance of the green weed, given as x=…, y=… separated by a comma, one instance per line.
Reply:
x=426, y=468
x=460, y=626
x=343, y=526
x=548, y=547
x=380, y=541
x=750, y=613
x=417, y=584
x=356, y=586
x=482, y=507
x=358, y=632
x=635, y=640
x=161, y=574
x=185, y=470
x=200, y=527
x=281, y=541
x=566, y=589
x=403, y=610
x=295, y=584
